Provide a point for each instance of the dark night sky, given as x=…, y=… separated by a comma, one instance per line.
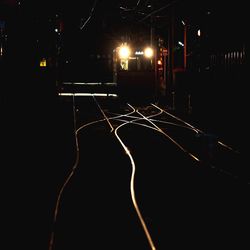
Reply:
x=227, y=12
x=226, y=20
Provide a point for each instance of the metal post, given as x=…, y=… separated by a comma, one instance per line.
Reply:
x=164, y=69
x=155, y=73
x=152, y=43
x=173, y=100
x=185, y=47
x=170, y=53
x=189, y=104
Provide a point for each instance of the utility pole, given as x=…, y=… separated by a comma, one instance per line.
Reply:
x=185, y=47
x=152, y=26
x=170, y=76
x=154, y=46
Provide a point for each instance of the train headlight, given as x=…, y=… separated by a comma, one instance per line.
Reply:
x=148, y=52
x=124, y=52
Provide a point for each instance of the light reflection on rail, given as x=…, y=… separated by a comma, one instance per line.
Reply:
x=125, y=119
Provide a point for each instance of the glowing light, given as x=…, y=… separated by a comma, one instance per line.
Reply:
x=159, y=62
x=139, y=53
x=87, y=94
x=148, y=52
x=180, y=43
x=124, y=52
x=199, y=32
x=43, y=63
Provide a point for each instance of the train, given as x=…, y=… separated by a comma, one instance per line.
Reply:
x=137, y=69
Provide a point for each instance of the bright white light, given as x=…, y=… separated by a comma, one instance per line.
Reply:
x=180, y=43
x=139, y=53
x=148, y=52
x=199, y=32
x=87, y=94
x=87, y=83
x=124, y=52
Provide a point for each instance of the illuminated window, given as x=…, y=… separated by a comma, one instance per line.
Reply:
x=43, y=62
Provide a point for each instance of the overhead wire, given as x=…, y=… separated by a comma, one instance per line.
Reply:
x=90, y=15
x=158, y=10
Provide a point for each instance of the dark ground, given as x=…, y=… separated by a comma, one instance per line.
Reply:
x=38, y=152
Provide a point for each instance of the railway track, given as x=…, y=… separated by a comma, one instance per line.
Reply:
x=155, y=168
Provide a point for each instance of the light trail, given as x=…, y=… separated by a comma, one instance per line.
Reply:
x=135, y=120
x=106, y=118
x=194, y=128
x=137, y=123
x=132, y=180
x=173, y=124
x=58, y=200
x=177, y=118
x=52, y=237
x=153, y=120
x=88, y=94
x=201, y=132
x=169, y=137
x=132, y=191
